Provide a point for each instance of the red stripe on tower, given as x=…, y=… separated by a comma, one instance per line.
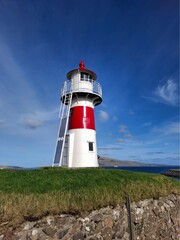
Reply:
x=82, y=117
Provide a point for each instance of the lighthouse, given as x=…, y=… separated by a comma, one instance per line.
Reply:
x=76, y=140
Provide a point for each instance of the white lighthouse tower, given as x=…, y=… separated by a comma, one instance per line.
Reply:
x=76, y=141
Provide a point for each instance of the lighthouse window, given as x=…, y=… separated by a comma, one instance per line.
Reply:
x=85, y=77
x=91, y=146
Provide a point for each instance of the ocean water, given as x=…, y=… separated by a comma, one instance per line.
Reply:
x=147, y=169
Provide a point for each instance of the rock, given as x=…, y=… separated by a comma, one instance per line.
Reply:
x=99, y=227
x=116, y=214
x=98, y=217
x=29, y=225
x=75, y=228
x=61, y=233
x=91, y=238
x=49, y=231
x=65, y=220
x=156, y=211
x=119, y=234
x=151, y=220
x=34, y=232
x=108, y=222
x=3, y=224
x=50, y=219
x=2, y=237
x=107, y=233
x=78, y=236
x=126, y=236
x=117, y=227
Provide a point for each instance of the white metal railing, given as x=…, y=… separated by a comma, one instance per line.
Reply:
x=89, y=86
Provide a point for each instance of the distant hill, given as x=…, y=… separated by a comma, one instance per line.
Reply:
x=109, y=162
x=11, y=167
x=103, y=162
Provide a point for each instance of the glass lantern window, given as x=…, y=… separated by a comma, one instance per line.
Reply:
x=85, y=77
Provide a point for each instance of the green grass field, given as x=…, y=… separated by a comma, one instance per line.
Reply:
x=35, y=193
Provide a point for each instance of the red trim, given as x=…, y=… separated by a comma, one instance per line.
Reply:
x=81, y=117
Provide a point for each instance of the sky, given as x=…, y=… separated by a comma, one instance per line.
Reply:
x=132, y=46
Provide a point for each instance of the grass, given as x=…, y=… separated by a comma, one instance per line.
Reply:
x=36, y=193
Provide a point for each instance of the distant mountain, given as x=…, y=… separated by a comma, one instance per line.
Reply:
x=109, y=162
x=11, y=167
x=103, y=162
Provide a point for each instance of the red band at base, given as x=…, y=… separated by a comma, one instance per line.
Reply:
x=81, y=117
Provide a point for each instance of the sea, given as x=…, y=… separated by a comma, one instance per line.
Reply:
x=148, y=169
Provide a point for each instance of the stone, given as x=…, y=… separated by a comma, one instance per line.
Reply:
x=156, y=211
x=108, y=222
x=99, y=227
x=120, y=234
x=115, y=214
x=3, y=224
x=126, y=236
x=92, y=237
x=61, y=233
x=50, y=219
x=34, y=232
x=78, y=236
x=49, y=231
x=64, y=220
x=163, y=215
x=98, y=217
x=117, y=227
x=107, y=233
x=29, y=225
x=151, y=220
x=75, y=228
x=2, y=237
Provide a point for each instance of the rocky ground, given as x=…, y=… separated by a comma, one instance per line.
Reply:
x=151, y=219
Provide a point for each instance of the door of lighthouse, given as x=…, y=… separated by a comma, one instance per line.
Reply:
x=65, y=152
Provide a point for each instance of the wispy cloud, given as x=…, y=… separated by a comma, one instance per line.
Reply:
x=109, y=148
x=103, y=116
x=131, y=112
x=147, y=124
x=167, y=93
x=32, y=123
x=168, y=129
x=120, y=140
x=114, y=118
x=123, y=129
x=17, y=94
x=153, y=153
x=34, y=120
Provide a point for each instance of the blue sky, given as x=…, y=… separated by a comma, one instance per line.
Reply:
x=132, y=46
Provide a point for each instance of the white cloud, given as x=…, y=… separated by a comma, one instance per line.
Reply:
x=103, y=116
x=168, y=129
x=110, y=148
x=126, y=133
x=129, y=136
x=147, y=124
x=167, y=93
x=32, y=123
x=123, y=129
x=120, y=140
x=114, y=118
x=36, y=119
